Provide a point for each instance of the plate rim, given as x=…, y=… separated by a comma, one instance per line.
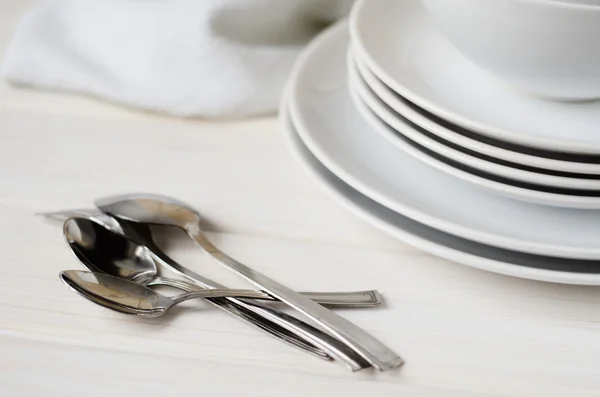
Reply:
x=369, y=99
x=506, y=190
x=523, y=139
x=387, y=95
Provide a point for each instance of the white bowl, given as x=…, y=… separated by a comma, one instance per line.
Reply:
x=545, y=48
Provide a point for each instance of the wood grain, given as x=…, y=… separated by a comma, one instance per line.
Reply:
x=463, y=332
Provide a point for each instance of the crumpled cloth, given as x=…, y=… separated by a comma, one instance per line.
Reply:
x=206, y=58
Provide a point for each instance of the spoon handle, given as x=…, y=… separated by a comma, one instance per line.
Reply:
x=219, y=293
x=355, y=338
x=269, y=327
x=352, y=299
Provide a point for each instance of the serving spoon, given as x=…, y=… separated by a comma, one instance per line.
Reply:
x=132, y=298
x=100, y=243
x=162, y=210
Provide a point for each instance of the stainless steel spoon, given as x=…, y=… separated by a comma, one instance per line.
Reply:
x=101, y=249
x=135, y=298
x=163, y=210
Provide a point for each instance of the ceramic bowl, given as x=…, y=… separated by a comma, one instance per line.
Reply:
x=547, y=48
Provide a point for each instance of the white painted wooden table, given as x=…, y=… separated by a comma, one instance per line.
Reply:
x=463, y=332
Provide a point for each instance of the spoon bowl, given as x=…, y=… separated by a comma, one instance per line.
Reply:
x=102, y=250
x=114, y=293
x=151, y=208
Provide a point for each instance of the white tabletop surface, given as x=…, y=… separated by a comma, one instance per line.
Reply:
x=463, y=332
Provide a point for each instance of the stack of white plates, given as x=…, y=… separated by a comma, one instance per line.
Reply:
x=413, y=138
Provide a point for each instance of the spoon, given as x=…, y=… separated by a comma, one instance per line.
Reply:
x=163, y=210
x=103, y=250
x=136, y=299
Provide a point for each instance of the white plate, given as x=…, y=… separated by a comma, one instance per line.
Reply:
x=401, y=46
x=511, y=189
x=485, y=257
x=402, y=129
x=468, y=139
x=330, y=126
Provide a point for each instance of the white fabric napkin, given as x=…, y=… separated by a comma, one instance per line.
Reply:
x=208, y=58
